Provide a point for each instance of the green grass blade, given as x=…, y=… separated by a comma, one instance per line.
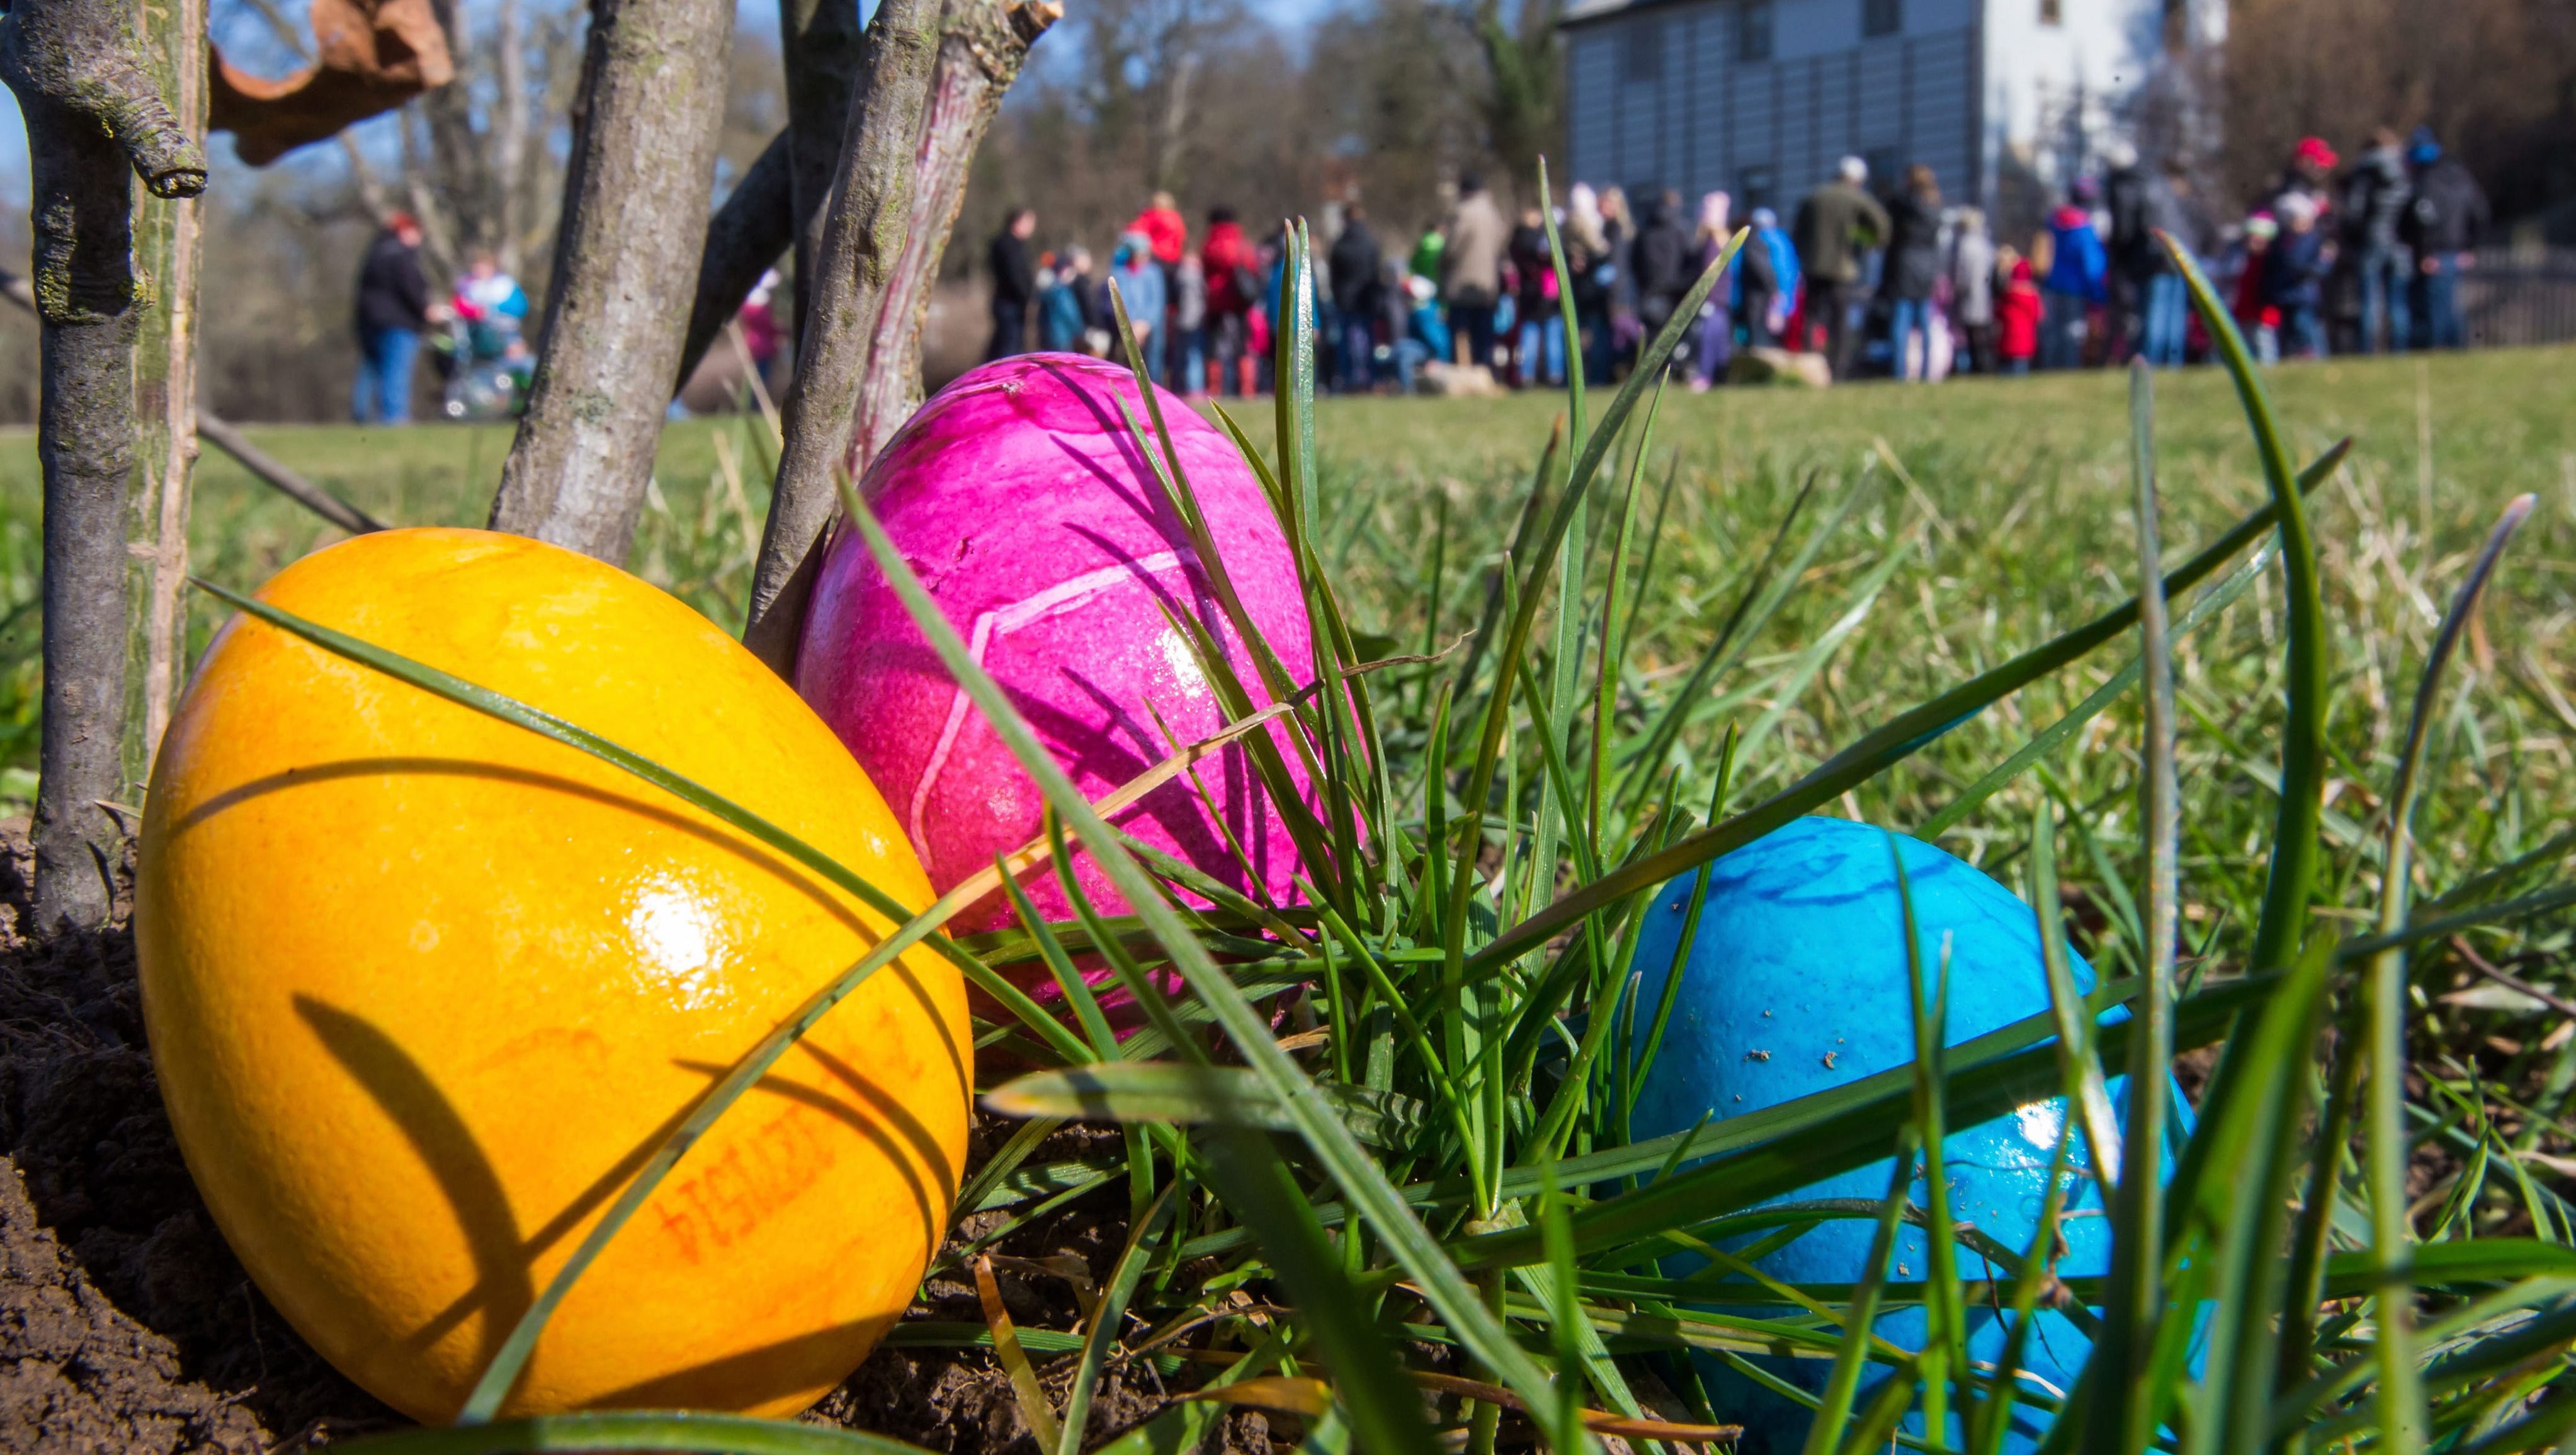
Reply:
x=2401, y=1395
x=2303, y=731
x=1792, y=685
x=2124, y=1421
x=1574, y=380
x=2087, y=1092
x=1794, y=1144
x=1144, y=1239
x=1945, y=1352
x=1889, y=743
x=1077, y=991
x=1834, y=1409
x=1766, y=588
x=2049, y=739
x=618, y=1430
x=1362, y=1181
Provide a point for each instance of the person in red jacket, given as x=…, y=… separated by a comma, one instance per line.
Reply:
x=2016, y=314
x=1233, y=288
x=1163, y=228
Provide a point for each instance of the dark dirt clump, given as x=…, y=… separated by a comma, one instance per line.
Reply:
x=127, y=1326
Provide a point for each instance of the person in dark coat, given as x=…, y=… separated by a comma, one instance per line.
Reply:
x=1540, y=348
x=1015, y=285
x=2444, y=220
x=1589, y=269
x=1356, y=262
x=393, y=307
x=2375, y=199
x=1913, y=267
x=2130, y=244
x=1663, y=262
x=1837, y=223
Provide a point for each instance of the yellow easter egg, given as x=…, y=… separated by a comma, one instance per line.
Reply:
x=425, y=990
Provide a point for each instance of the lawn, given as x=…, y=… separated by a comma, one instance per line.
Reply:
x=2011, y=521
x=1781, y=573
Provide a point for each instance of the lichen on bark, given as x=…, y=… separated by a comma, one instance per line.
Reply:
x=96, y=118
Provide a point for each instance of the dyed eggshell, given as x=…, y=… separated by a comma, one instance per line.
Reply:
x=1797, y=984
x=1019, y=496
x=424, y=988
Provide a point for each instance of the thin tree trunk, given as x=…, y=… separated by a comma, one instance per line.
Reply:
x=928, y=95
x=634, y=222
x=509, y=136
x=91, y=111
x=166, y=250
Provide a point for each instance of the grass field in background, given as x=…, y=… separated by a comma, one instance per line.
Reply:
x=1920, y=537
x=2012, y=522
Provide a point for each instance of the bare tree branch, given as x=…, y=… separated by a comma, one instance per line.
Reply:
x=91, y=113
x=927, y=98
x=634, y=223
x=757, y=222
x=822, y=46
x=223, y=435
x=510, y=137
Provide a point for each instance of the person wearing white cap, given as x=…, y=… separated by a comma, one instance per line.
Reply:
x=1836, y=224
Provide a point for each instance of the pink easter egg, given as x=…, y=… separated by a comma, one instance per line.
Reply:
x=1020, y=498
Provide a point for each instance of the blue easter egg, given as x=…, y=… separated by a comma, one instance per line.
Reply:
x=1797, y=984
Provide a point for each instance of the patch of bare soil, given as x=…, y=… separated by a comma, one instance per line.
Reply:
x=127, y=1326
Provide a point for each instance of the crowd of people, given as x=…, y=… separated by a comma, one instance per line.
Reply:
x=476, y=332
x=1900, y=283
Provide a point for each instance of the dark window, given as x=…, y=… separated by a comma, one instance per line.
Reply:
x=1886, y=170
x=1644, y=58
x=2052, y=12
x=1755, y=186
x=1753, y=31
x=1882, y=17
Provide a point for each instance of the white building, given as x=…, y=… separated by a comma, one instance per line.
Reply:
x=2003, y=99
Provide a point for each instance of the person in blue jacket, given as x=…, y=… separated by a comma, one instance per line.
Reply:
x=2078, y=281
x=1064, y=315
x=1766, y=285
x=1140, y=287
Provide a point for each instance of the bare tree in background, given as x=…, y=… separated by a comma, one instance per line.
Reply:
x=626, y=259
x=2497, y=79
x=1524, y=82
x=478, y=169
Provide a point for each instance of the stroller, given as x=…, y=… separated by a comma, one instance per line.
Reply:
x=485, y=369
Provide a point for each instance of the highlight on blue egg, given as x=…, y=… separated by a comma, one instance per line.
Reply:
x=1797, y=984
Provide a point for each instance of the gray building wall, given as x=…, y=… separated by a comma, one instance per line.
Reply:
x=1662, y=95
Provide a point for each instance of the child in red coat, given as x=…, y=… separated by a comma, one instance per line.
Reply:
x=2016, y=314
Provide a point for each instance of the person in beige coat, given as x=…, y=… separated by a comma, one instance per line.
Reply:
x=1471, y=267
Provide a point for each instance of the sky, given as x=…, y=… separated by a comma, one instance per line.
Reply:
x=760, y=15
